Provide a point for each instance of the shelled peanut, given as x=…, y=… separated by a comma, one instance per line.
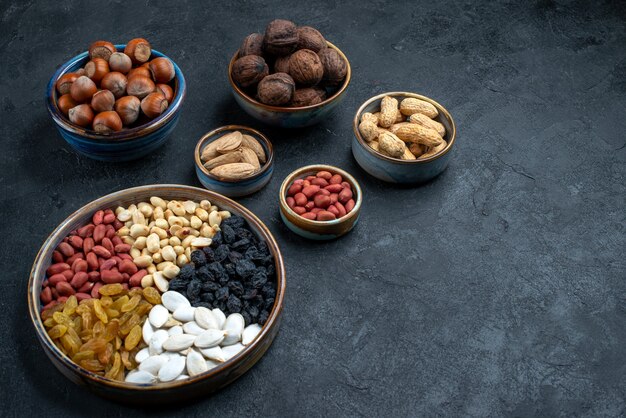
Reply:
x=102, y=335
x=162, y=234
x=404, y=130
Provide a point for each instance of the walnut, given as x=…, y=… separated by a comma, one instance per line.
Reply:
x=252, y=45
x=249, y=70
x=308, y=96
x=281, y=65
x=281, y=37
x=335, y=67
x=276, y=89
x=305, y=67
x=310, y=38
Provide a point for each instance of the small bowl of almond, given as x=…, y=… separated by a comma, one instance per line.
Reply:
x=234, y=160
x=402, y=137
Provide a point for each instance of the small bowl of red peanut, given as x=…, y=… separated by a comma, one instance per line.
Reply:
x=320, y=202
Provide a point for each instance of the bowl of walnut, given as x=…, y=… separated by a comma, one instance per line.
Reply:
x=403, y=137
x=290, y=76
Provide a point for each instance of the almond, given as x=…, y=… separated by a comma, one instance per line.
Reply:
x=224, y=142
x=254, y=145
x=231, y=157
x=249, y=156
x=233, y=171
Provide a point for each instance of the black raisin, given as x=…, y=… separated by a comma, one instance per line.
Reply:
x=179, y=285
x=210, y=286
x=221, y=294
x=204, y=274
x=263, y=316
x=245, y=268
x=234, y=221
x=233, y=304
x=186, y=272
x=242, y=244
x=268, y=290
x=207, y=296
x=230, y=269
x=193, y=289
x=249, y=294
x=236, y=288
x=235, y=256
x=254, y=312
x=246, y=317
x=271, y=270
x=257, y=301
x=228, y=233
x=218, y=271
x=253, y=253
x=217, y=239
x=258, y=280
x=209, y=254
x=269, y=302
x=221, y=253
x=198, y=258
x=221, y=305
x=263, y=248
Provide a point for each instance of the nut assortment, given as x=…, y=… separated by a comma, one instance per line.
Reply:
x=322, y=197
x=107, y=304
x=404, y=130
x=233, y=156
x=288, y=66
x=108, y=94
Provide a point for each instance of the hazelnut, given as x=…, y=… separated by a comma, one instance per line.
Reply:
x=249, y=70
x=65, y=103
x=64, y=82
x=153, y=105
x=116, y=82
x=308, y=96
x=252, y=45
x=305, y=67
x=96, y=69
x=276, y=89
x=281, y=37
x=128, y=109
x=102, y=101
x=82, y=89
x=120, y=62
x=139, y=50
x=335, y=67
x=162, y=70
x=81, y=115
x=166, y=90
x=108, y=121
x=140, y=86
x=281, y=65
x=101, y=49
x=310, y=38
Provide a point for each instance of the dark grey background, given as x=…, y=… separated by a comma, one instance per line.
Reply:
x=497, y=289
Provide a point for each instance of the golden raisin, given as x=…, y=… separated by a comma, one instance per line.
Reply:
x=99, y=311
x=152, y=295
x=57, y=331
x=111, y=289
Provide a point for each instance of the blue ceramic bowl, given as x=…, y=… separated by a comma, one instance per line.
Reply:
x=394, y=170
x=235, y=188
x=290, y=117
x=128, y=144
x=319, y=230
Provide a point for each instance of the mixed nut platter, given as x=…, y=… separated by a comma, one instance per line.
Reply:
x=175, y=290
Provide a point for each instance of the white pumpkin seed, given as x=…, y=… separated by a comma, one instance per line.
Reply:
x=158, y=316
x=196, y=364
x=219, y=317
x=176, y=330
x=160, y=281
x=156, y=342
x=147, y=332
x=210, y=338
x=205, y=318
x=250, y=333
x=232, y=350
x=171, y=322
x=193, y=328
x=172, y=369
x=173, y=300
x=153, y=364
x=140, y=376
x=142, y=354
x=179, y=342
x=213, y=353
x=182, y=377
x=234, y=327
x=211, y=364
x=184, y=313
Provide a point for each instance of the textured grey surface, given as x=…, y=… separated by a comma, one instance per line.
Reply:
x=497, y=289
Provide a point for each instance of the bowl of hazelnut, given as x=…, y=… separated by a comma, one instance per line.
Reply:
x=403, y=137
x=290, y=76
x=116, y=102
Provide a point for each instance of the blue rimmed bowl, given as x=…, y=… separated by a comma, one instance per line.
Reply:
x=290, y=117
x=235, y=188
x=161, y=393
x=394, y=170
x=319, y=230
x=127, y=144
